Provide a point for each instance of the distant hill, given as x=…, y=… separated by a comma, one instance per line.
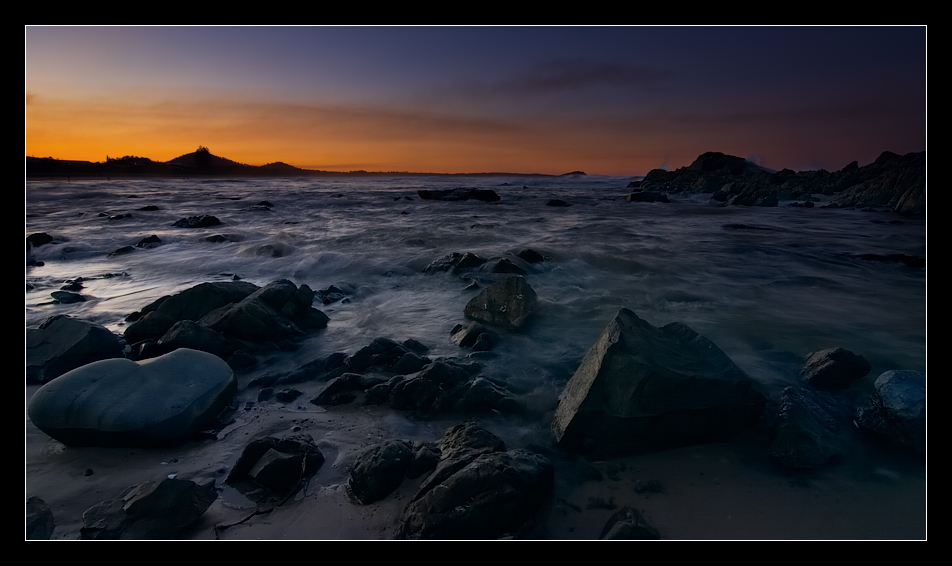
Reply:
x=199, y=163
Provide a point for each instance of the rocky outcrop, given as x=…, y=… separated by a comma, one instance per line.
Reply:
x=62, y=344
x=897, y=411
x=151, y=510
x=119, y=402
x=892, y=182
x=380, y=469
x=478, y=490
x=642, y=388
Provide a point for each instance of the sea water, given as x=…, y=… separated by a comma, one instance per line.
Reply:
x=766, y=285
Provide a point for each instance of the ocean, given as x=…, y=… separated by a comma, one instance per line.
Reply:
x=766, y=285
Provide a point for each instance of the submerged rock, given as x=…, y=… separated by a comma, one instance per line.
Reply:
x=642, y=388
x=197, y=221
x=508, y=303
x=485, y=195
x=118, y=402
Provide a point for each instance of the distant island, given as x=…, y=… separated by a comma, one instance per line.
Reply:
x=202, y=163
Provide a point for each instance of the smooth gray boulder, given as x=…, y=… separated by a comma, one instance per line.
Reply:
x=508, y=303
x=643, y=388
x=62, y=344
x=118, y=402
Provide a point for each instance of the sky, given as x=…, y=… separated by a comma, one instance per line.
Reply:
x=603, y=100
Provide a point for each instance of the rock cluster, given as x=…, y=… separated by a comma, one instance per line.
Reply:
x=63, y=343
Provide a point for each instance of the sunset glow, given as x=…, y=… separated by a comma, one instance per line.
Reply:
x=615, y=100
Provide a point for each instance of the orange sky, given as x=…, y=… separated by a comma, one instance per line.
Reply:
x=546, y=100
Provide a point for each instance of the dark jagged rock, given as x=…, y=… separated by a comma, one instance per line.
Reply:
x=834, y=368
x=467, y=335
x=190, y=304
x=478, y=491
x=813, y=430
x=642, y=388
x=457, y=262
x=150, y=510
x=893, y=182
x=149, y=242
x=219, y=238
x=118, y=402
x=628, y=524
x=39, y=520
x=62, y=344
x=197, y=222
x=508, y=303
x=279, y=466
x=503, y=265
x=485, y=195
x=36, y=240
x=67, y=297
x=379, y=470
x=529, y=255
x=188, y=334
x=897, y=411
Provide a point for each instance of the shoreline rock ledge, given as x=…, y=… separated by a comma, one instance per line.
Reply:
x=643, y=388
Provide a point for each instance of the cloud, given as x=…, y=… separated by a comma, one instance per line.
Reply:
x=561, y=75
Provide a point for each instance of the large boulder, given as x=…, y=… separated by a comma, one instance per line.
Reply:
x=508, y=303
x=62, y=344
x=641, y=388
x=834, y=368
x=276, y=311
x=118, y=402
x=276, y=467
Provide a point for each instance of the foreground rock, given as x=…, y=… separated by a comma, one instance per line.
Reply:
x=813, y=429
x=628, y=524
x=642, y=388
x=151, y=510
x=276, y=468
x=897, y=411
x=478, y=490
x=62, y=344
x=380, y=469
x=39, y=520
x=119, y=402
x=508, y=303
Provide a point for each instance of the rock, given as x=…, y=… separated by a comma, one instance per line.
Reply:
x=508, y=303
x=39, y=520
x=149, y=242
x=280, y=466
x=118, y=402
x=529, y=255
x=62, y=344
x=379, y=470
x=188, y=334
x=485, y=195
x=641, y=388
x=492, y=496
x=503, y=265
x=190, y=304
x=36, y=240
x=150, y=510
x=628, y=524
x=466, y=335
x=813, y=430
x=67, y=297
x=647, y=196
x=897, y=411
x=834, y=368
x=456, y=261
x=556, y=202
x=197, y=222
